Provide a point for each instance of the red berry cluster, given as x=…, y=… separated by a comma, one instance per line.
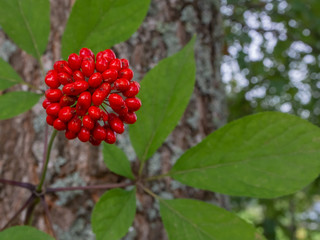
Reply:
x=91, y=97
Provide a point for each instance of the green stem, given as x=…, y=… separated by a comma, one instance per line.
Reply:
x=151, y=193
x=141, y=168
x=44, y=171
x=157, y=177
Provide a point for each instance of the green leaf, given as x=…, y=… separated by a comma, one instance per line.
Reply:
x=165, y=93
x=8, y=76
x=186, y=219
x=113, y=214
x=264, y=155
x=14, y=103
x=99, y=24
x=116, y=160
x=27, y=22
x=25, y=233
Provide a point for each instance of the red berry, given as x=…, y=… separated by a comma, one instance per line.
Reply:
x=94, y=113
x=126, y=73
x=59, y=124
x=64, y=78
x=67, y=100
x=125, y=63
x=132, y=91
x=81, y=86
x=133, y=104
x=78, y=76
x=99, y=133
x=84, y=135
x=115, y=64
x=87, y=122
x=53, y=95
x=46, y=103
x=70, y=135
x=94, y=141
x=53, y=109
x=99, y=96
x=85, y=100
x=116, y=124
x=95, y=80
x=109, y=55
x=129, y=118
x=122, y=84
x=66, y=113
x=74, y=61
x=62, y=66
x=104, y=116
x=74, y=125
x=87, y=67
x=86, y=52
x=101, y=64
x=51, y=79
x=50, y=119
x=116, y=101
x=110, y=75
x=111, y=136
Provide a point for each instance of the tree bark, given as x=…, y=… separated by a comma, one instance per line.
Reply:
x=169, y=25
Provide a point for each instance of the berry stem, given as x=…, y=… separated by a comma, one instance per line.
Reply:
x=26, y=204
x=29, y=186
x=105, y=186
x=45, y=168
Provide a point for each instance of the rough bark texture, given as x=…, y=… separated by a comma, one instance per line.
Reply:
x=169, y=26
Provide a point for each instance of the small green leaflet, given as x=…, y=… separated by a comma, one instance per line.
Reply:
x=8, y=76
x=24, y=233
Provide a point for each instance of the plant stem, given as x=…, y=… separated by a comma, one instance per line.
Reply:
x=29, y=186
x=44, y=171
x=141, y=168
x=49, y=219
x=30, y=211
x=157, y=177
x=26, y=204
x=151, y=193
x=94, y=187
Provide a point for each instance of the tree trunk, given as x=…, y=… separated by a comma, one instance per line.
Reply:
x=168, y=27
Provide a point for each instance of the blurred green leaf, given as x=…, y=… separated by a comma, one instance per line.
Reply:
x=113, y=214
x=15, y=103
x=116, y=160
x=99, y=24
x=264, y=155
x=8, y=76
x=165, y=93
x=186, y=219
x=25, y=233
x=27, y=22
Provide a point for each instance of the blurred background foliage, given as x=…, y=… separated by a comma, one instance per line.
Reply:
x=271, y=63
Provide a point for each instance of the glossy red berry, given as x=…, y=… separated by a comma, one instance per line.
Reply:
x=78, y=76
x=133, y=104
x=122, y=84
x=84, y=52
x=99, y=132
x=51, y=79
x=126, y=73
x=46, y=103
x=95, y=80
x=102, y=64
x=115, y=64
x=99, y=96
x=70, y=135
x=109, y=55
x=87, y=67
x=129, y=118
x=87, y=122
x=94, y=141
x=66, y=100
x=50, y=119
x=64, y=78
x=59, y=124
x=115, y=123
x=53, y=109
x=125, y=63
x=66, y=113
x=84, y=135
x=110, y=75
x=62, y=66
x=111, y=136
x=116, y=101
x=74, y=125
x=74, y=61
x=132, y=91
x=53, y=95
x=94, y=113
